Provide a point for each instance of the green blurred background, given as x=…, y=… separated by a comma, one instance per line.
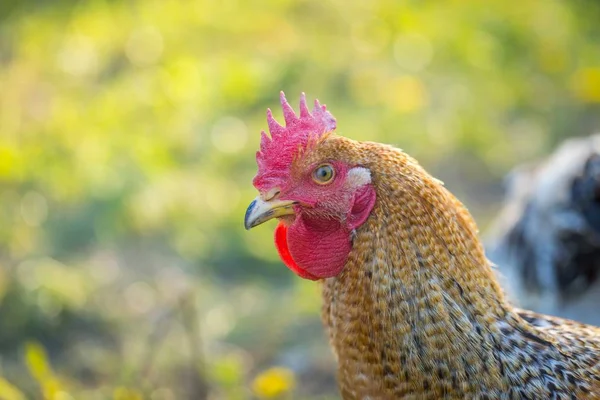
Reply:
x=127, y=139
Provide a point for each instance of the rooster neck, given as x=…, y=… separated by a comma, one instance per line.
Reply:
x=417, y=298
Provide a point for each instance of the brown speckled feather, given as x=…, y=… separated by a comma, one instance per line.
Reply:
x=417, y=312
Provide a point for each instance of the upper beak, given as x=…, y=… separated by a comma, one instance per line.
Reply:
x=260, y=211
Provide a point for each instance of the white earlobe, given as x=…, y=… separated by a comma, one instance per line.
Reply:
x=358, y=177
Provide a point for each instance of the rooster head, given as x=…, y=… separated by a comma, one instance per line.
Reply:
x=315, y=185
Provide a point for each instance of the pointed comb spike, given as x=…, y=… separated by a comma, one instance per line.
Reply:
x=317, y=108
x=264, y=140
x=274, y=127
x=304, y=113
x=288, y=112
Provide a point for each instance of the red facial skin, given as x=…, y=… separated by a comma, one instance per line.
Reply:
x=315, y=244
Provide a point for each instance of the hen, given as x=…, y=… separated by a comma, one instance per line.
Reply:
x=412, y=307
x=547, y=237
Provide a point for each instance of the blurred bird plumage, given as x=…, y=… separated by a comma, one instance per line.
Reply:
x=547, y=237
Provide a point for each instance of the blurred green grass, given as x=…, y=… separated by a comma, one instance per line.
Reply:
x=127, y=139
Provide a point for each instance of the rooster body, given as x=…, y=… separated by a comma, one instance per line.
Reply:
x=414, y=310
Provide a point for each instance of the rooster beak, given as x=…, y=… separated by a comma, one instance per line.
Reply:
x=260, y=211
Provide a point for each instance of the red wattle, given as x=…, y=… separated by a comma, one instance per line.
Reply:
x=281, y=244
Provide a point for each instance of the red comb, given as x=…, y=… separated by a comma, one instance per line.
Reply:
x=277, y=152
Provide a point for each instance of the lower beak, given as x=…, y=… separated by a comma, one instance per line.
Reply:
x=260, y=211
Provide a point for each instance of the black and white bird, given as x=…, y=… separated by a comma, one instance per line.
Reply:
x=547, y=236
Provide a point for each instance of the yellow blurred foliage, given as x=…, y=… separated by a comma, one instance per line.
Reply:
x=8, y=163
x=123, y=393
x=586, y=84
x=273, y=383
x=37, y=361
x=39, y=367
x=9, y=392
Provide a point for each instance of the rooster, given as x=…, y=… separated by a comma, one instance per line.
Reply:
x=411, y=304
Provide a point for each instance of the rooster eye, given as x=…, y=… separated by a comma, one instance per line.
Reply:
x=323, y=174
